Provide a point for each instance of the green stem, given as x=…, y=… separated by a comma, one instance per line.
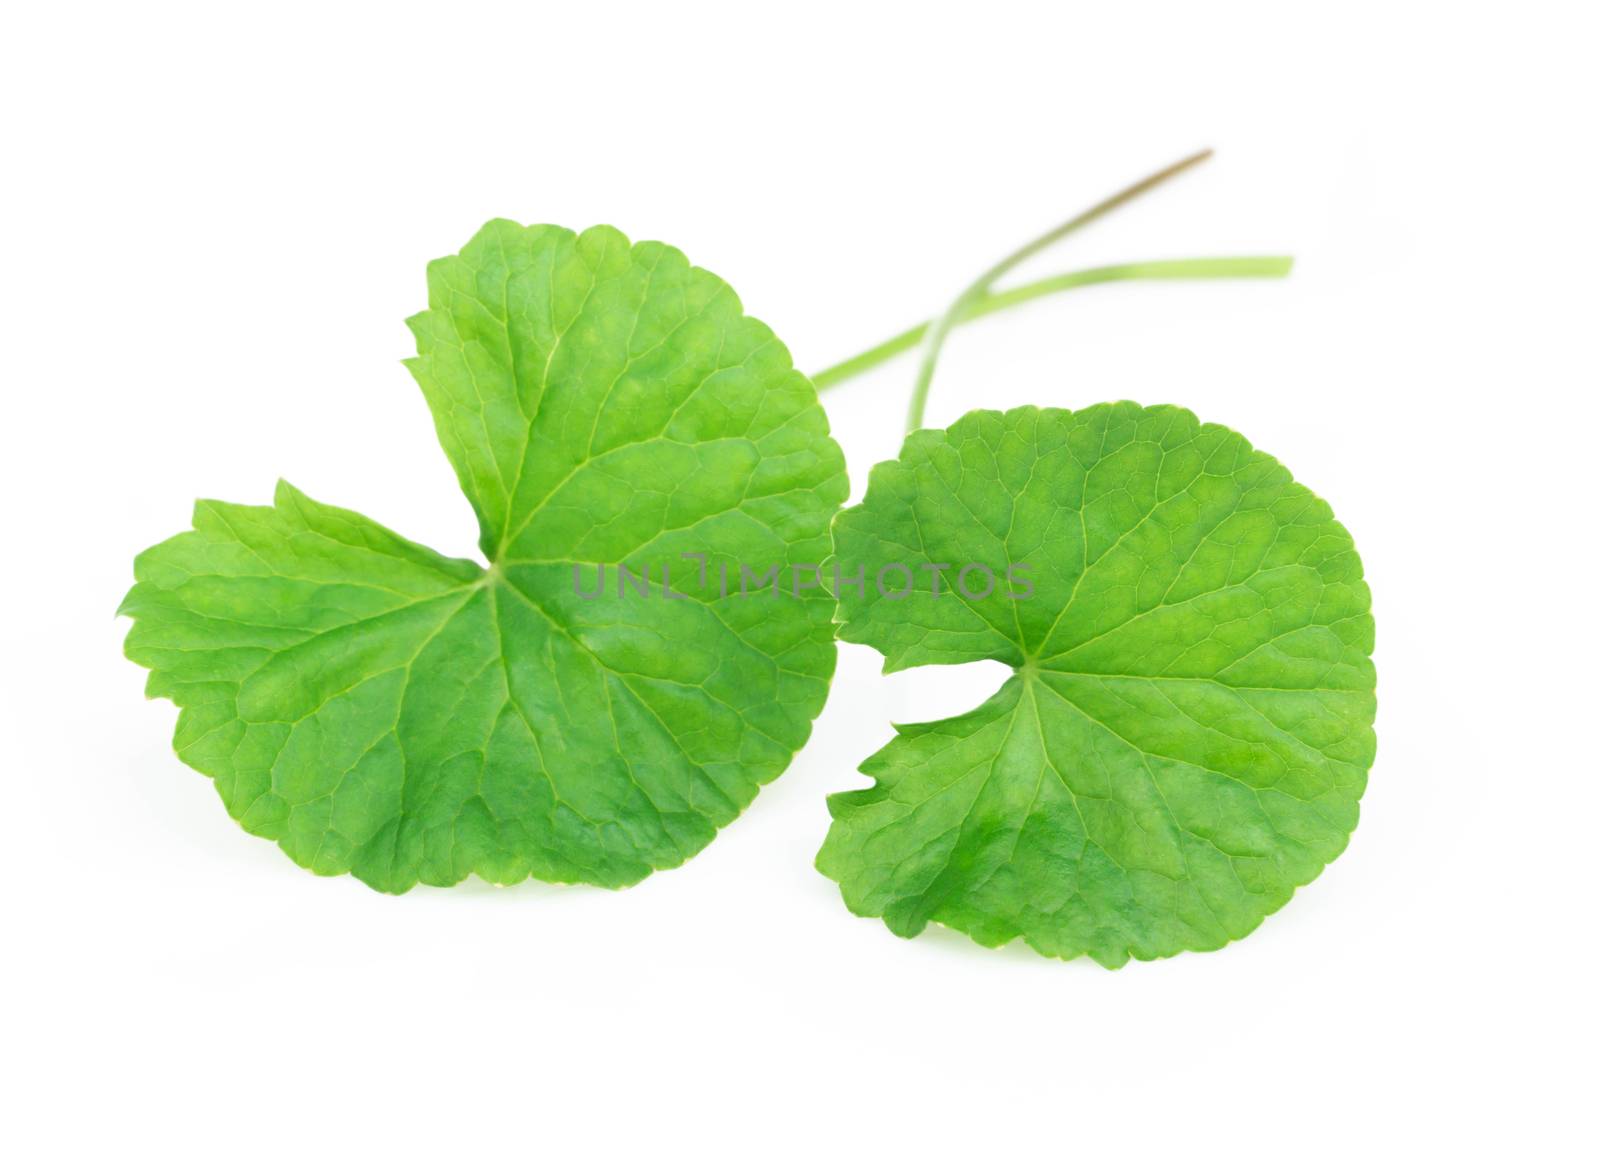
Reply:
x=933, y=342
x=1206, y=268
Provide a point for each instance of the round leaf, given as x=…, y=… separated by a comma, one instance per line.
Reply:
x=1188, y=730
x=381, y=710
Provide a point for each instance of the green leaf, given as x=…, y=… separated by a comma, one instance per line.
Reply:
x=381, y=710
x=1188, y=731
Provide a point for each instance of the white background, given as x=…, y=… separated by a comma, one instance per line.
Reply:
x=215, y=220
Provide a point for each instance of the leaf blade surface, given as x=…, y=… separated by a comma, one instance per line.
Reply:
x=1188, y=731
x=382, y=710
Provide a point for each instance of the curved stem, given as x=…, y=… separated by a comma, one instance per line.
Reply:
x=940, y=328
x=1203, y=268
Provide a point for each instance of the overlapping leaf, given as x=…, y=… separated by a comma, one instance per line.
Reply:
x=1188, y=730
x=382, y=710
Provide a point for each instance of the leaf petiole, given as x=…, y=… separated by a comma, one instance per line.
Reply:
x=1202, y=268
x=978, y=299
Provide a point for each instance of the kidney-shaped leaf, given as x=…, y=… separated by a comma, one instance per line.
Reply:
x=382, y=710
x=1188, y=730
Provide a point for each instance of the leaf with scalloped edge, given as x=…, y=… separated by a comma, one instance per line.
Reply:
x=1188, y=730
x=381, y=710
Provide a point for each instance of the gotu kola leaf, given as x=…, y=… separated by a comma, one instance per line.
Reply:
x=1188, y=730
x=382, y=710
